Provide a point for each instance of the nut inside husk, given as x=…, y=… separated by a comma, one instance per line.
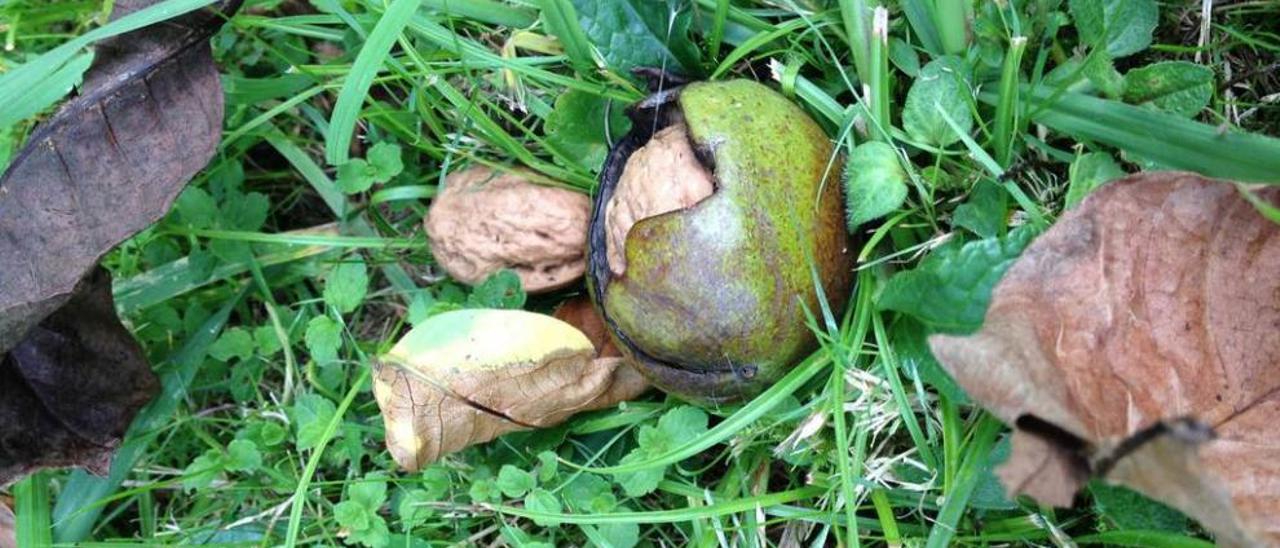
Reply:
x=738, y=199
x=663, y=176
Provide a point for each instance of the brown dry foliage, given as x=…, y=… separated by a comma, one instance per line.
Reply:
x=1157, y=299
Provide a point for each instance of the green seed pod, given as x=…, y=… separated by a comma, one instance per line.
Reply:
x=735, y=199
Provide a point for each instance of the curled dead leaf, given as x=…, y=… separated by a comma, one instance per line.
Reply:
x=8, y=534
x=1139, y=340
x=484, y=221
x=107, y=164
x=468, y=376
x=581, y=313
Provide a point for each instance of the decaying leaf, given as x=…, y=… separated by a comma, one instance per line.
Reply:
x=581, y=313
x=8, y=535
x=69, y=390
x=469, y=376
x=1139, y=340
x=108, y=163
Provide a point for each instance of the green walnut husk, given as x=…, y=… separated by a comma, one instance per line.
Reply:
x=712, y=304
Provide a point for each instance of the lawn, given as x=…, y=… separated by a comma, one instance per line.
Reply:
x=298, y=256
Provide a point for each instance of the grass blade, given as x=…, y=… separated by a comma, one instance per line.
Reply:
x=356, y=87
x=81, y=500
x=32, y=511
x=1165, y=138
x=562, y=22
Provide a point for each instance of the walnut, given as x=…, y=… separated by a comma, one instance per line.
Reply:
x=662, y=176
x=484, y=220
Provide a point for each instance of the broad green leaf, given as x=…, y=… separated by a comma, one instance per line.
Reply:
x=413, y=509
x=311, y=415
x=580, y=124
x=1087, y=173
x=1123, y=27
x=502, y=289
x=1178, y=87
x=640, y=482
x=234, y=343
x=984, y=213
x=346, y=286
x=1101, y=72
x=323, y=339
x=202, y=470
x=950, y=290
x=385, y=160
x=355, y=176
x=539, y=500
x=1131, y=510
x=351, y=515
x=243, y=456
x=683, y=423
x=515, y=482
x=875, y=183
x=943, y=84
x=904, y=57
x=370, y=492
x=640, y=33
x=909, y=343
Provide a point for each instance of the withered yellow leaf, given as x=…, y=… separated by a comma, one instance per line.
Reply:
x=468, y=376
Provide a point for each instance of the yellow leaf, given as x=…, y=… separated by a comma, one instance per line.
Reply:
x=468, y=376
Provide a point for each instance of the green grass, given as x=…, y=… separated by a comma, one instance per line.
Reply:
x=266, y=432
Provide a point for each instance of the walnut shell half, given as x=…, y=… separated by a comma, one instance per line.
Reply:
x=484, y=220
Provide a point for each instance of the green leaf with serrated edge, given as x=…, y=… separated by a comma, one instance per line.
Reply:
x=346, y=285
x=875, y=183
x=311, y=415
x=370, y=492
x=540, y=500
x=950, y=290
x=355, y=176
x=1131, y=510
x=580, y=125
x=1087, y=173
x=502, y=289
x=323, y=339
x=984, y=213
x=640, y=33
x=385, y=159
x=234, y=343
x=941, y=83
x=243, y=456
x=1123, y=27
x=1178, y=87
x=413, y=509
x=515, y=482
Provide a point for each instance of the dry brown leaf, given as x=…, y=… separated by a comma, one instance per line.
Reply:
x=484, y=220
x=8, y=533
x=468, y=376
x=1157, y=299
x=581, y=313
